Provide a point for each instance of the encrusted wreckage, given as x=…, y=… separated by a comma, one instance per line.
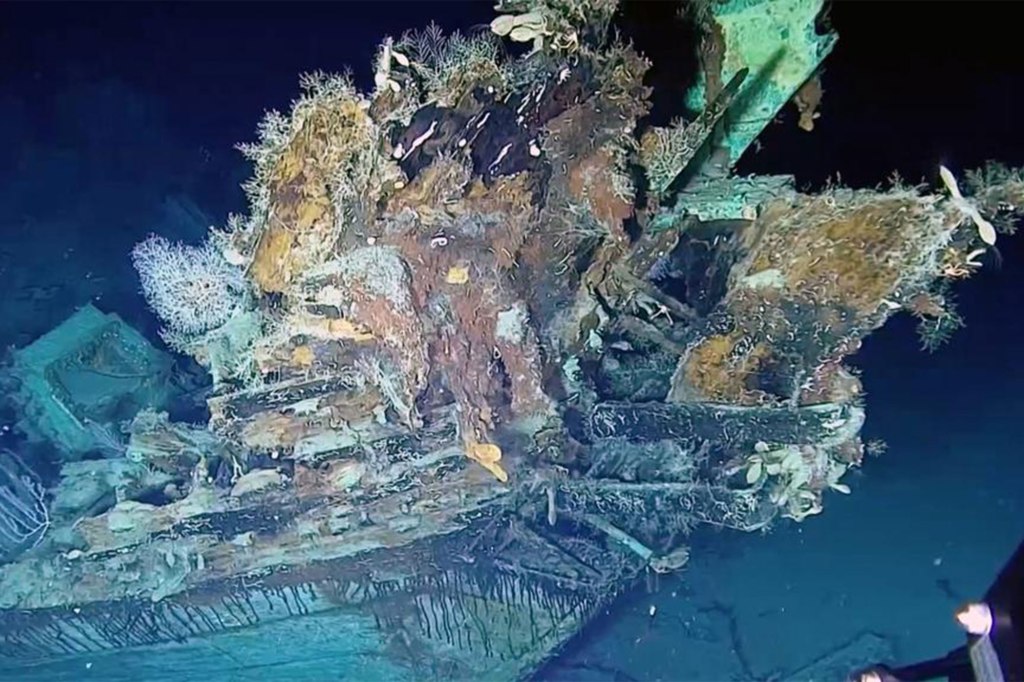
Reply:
x=486, y=349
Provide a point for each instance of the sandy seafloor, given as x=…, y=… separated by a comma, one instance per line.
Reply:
x=878, y=575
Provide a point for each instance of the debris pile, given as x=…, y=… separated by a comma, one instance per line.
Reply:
x=485, y=320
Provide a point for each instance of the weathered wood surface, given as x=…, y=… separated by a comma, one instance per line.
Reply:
x=735, y=425
x=335, y=646
x=190, y=545
x=691, y=504
x=479, y=604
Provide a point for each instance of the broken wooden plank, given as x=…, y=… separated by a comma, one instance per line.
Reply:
x=741, y=426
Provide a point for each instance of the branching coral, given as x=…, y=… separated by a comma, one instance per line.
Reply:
x=443, y=68
x=999, y=192
x=24, y=514
x=192, y=288
x=937, y=316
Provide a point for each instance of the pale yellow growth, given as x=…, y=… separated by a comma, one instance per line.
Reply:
x=457, y=275
x=488, y=456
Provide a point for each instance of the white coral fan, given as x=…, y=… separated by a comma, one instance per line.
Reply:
x=193, y=289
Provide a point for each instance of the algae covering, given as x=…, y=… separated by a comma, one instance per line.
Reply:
x=486, y=349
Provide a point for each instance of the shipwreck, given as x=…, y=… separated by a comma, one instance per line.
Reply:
x=485, y=350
